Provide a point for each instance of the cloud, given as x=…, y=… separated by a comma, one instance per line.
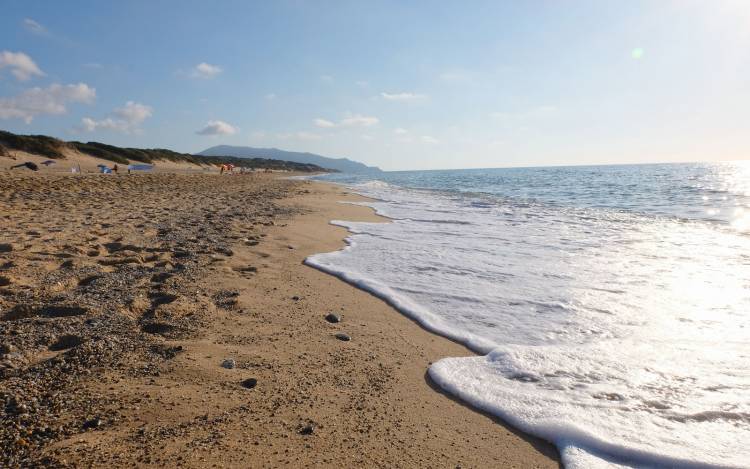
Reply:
x=271, y=96
x=326, y=78
x=204, y=70
x=34, y=27
x=403, y=97
x=400, y=131
x=324, y=123
x=428, y=139
x=50, y=101
x=359, y=121
x=352, y=120
x=368, y=137
x=20, y=65
x=217, y=127
x=362, y=83
x=126, y=119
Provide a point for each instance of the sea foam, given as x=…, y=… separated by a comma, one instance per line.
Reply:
x=619, y=337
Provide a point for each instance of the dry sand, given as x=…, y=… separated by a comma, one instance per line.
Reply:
x=125, y=294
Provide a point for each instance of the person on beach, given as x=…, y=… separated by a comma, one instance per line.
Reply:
x=115, y=168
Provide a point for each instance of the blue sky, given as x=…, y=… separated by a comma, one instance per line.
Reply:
x=402, y=85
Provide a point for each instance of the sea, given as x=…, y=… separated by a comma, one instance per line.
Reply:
x=609, y=306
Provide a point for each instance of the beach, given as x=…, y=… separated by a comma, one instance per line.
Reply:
x=168, y=320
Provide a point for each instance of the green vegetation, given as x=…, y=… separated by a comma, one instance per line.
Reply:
x=35, y=144
x=53, y=148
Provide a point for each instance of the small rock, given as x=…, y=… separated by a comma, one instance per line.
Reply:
x=307, y=429
x=6, y=349
x=344, y=337
x=333, y=318
x=249, y=383
x=295, y=298
x=93, y=423
x=290, y=247
x=229, y=363
x=5, y=247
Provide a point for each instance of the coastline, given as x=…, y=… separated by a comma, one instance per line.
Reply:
x=318, y=401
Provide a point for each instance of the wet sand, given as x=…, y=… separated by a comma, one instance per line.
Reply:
x=124, y=295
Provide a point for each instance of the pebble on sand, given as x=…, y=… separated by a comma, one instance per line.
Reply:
x=333, y=318
x=344, y=337
x=249, y=383
x=229, y=363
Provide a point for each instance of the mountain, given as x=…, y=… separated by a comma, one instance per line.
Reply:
x=340, y=164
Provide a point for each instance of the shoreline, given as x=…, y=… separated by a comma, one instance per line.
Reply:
x=243, y=295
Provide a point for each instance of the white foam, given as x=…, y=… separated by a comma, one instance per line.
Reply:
x=619, y=338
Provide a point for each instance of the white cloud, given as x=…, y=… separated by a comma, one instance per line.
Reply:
x=204, y=70
x=34, y=27
x=358, y=120
x=324, y=123
x=126, y=119
x=368, y=137
x=428, y=139
x=20, y=65
x=51, y=101
x=400, y=131
x=217, y=127
x=326, y=78
x=403, y=97
x=271, y=96
x=352, y=120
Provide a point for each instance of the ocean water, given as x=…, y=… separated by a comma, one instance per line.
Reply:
x=610, y=306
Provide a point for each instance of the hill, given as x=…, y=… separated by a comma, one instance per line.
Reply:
x=50, y=147
x=340, y=164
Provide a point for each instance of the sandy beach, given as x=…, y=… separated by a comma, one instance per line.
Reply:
x=168, y=320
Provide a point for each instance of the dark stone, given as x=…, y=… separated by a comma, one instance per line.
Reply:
x=307, y=429
x=93, y=423
x=5, y=247
x=295, y=298
x=333, y=318
x=249, y=383
x=344, y=337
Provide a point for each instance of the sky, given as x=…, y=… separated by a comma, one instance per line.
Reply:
x=397, y=84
